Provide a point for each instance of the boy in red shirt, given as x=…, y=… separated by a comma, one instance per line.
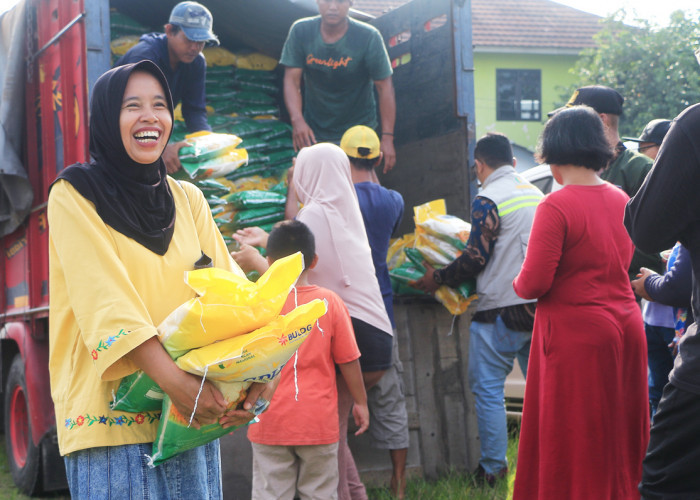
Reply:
x=295, y=444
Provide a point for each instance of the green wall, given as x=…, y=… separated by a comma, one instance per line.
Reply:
x=555, y=74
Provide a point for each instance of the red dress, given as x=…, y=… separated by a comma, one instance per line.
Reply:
x=585, y=421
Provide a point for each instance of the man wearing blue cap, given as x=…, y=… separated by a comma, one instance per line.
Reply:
x=178, y=53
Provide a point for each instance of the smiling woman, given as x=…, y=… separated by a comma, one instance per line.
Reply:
x=116, y=262
x=144, y=121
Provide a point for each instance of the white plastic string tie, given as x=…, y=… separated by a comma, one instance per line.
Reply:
x=454, y=319
x=296, y=380
x=196, y=400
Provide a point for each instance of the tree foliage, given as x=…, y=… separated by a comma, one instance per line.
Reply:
x=653, y=67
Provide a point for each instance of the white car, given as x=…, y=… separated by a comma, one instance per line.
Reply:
x=541, y=176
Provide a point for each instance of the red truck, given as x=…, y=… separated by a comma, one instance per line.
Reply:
x=51, y=53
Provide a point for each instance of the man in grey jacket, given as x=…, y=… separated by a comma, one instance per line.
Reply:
x=501, y=329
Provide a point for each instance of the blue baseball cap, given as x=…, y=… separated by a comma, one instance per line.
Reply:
x=195, y=20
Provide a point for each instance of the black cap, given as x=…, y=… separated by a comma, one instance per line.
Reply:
x=655, y=131
x=601, y=99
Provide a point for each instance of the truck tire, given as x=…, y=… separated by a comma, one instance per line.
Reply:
x=22, y=455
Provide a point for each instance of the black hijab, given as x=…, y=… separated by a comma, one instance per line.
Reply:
x=133, y=198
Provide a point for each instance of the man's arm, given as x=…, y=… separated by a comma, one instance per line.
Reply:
x=194, y=112
x=301, y=132
x=194, y=97
x=486, y=224
x=676, y=286
x=387, y=111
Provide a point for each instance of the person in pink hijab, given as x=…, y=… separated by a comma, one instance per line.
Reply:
x=322, y=183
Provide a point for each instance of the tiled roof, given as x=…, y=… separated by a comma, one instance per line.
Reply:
x=531, y=23
x=536, y=24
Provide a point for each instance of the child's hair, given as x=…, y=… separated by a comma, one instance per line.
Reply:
x=289, y=237
x=363, y=163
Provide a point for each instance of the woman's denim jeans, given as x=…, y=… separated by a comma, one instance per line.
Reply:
x=122, y=472
x=492, y=349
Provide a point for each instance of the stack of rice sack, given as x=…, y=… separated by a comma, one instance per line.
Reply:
x=243, y=92
x=438, y=240
x=231, y=334
x=124, y=33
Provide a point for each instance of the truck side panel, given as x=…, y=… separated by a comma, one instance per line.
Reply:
x=434, y=101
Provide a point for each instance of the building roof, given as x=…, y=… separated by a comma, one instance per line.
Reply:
x=517, y=24
x=539, y=24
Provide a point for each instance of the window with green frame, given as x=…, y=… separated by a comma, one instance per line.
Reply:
x=518, y=94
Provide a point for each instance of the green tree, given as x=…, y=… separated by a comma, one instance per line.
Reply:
x=653, y=67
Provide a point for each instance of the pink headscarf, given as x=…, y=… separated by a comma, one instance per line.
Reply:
x=323, y=184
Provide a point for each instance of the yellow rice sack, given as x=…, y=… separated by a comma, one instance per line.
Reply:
x=120, y=46
x=228, y=305
x=255, y=60
x=441, y=238
x=219, y=56
x=232, y=365
x=453, y=300
x=395, y=255
x=257, y=356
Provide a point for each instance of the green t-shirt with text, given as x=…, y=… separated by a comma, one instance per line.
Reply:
x=338, y=77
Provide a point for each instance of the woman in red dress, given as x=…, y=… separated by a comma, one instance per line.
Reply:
x=585, y=421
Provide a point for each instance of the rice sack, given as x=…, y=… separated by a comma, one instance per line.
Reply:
x=227, y=305
x=138, y=393
x=232, y=365
x=257, y=356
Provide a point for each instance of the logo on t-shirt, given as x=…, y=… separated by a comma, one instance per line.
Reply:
x=330, y=62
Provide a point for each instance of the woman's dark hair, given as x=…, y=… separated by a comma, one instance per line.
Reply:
x=575, y=136
x=289, y=237
x=494, y=149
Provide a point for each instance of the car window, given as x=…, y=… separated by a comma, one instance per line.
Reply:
x=544, y=184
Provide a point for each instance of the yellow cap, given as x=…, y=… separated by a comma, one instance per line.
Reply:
x=360, y=142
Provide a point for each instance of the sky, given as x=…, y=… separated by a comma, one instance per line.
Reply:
x=657, y=11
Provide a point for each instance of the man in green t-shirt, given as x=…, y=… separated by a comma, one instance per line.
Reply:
x=339, y=59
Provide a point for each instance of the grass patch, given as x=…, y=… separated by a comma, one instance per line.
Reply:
x=454, y=486
x=460, y=486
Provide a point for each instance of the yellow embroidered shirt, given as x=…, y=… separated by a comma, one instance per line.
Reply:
x=108, y=294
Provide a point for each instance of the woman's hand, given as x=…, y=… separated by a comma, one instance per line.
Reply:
x=183, y=392
x=180, y=386
x=256, y=402
x=254, y=236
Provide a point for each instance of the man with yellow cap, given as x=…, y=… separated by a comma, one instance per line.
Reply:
x=382, y=211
